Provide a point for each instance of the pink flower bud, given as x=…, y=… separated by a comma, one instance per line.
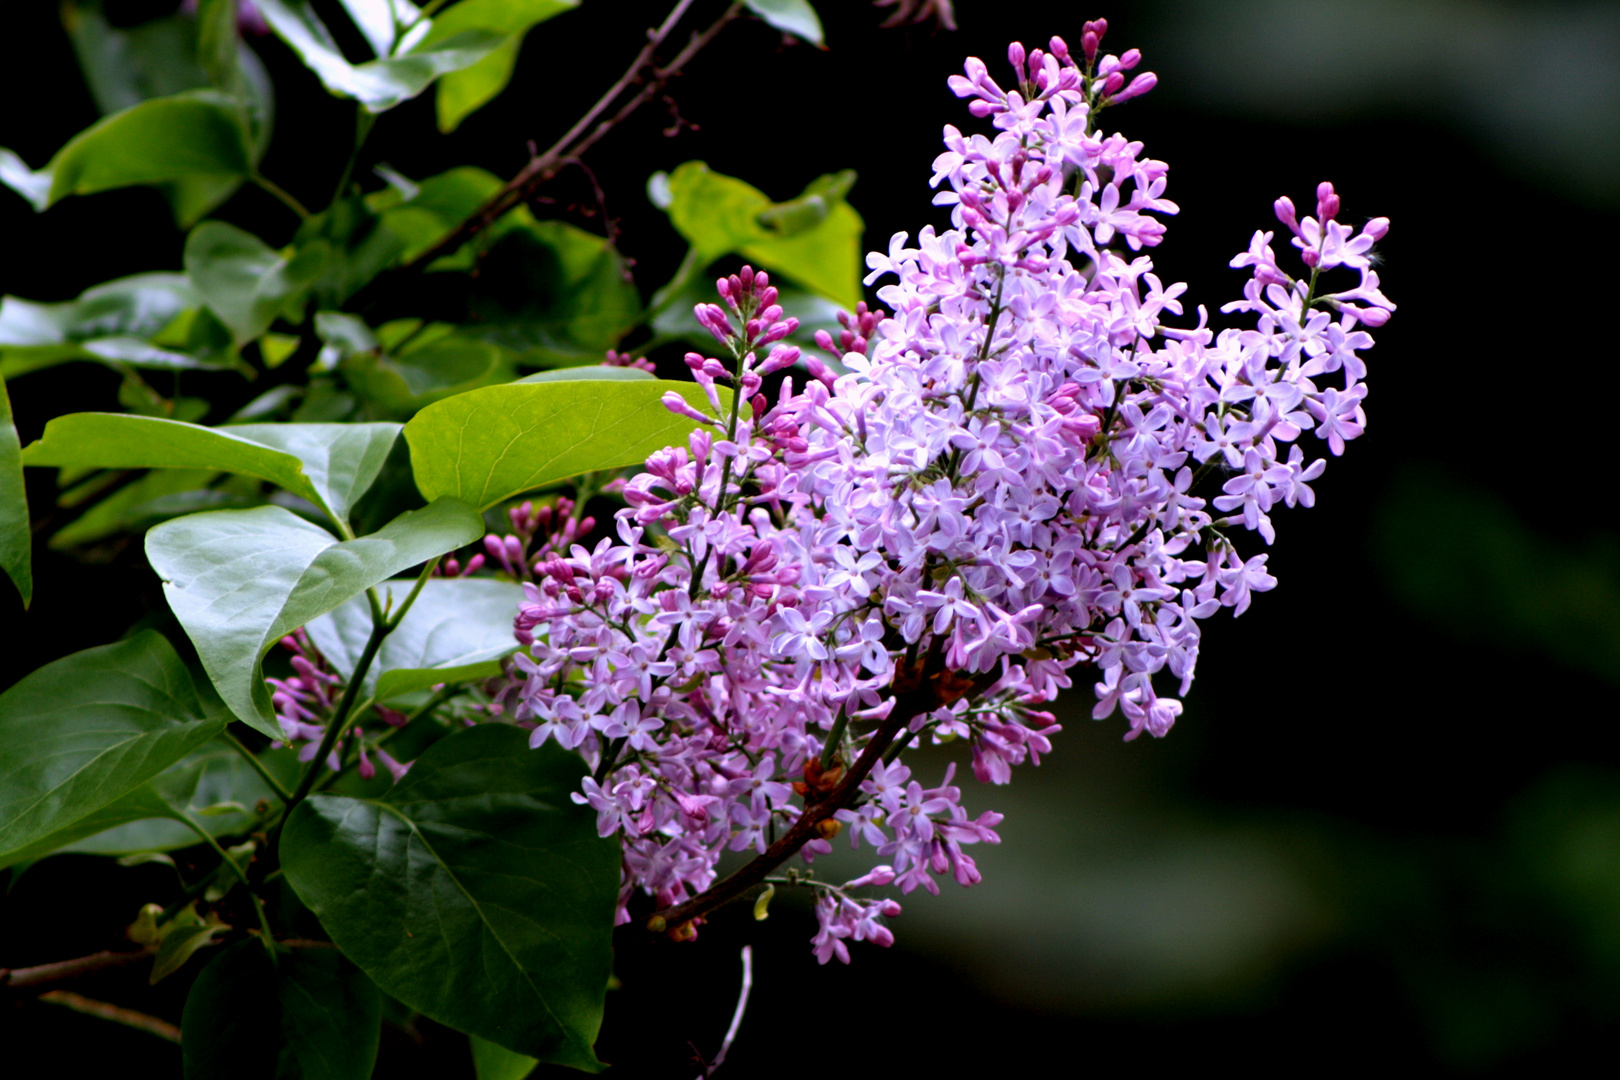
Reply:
x=1327, y=203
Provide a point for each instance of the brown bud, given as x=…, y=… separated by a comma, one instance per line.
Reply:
x=828, y=828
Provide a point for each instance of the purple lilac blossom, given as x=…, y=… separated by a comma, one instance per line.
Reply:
x=1008, y=475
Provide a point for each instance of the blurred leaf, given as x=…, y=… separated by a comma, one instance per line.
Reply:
x=594, y=372
x=360, y=248
x=16, y=534
x=403, y=384
x=1462, y=559
x=463, y=92
x=242, y=280
x=458, y=629
x=379, y=85
x=180, y=944
x=379, y=21
x=195, y=143
x=553, y=294
x=309, y=1016
x=239, y=580
x=794, y=17
x=488, y=445
x=813, y=312
x=141, y=503
x=492, y=1061
x=331, y=465
x=474, y=891
x=814, y=239
x=117, y=322
x=124, y=67
x=84, y=731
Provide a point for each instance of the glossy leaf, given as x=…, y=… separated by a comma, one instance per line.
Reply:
x=590, y=373
x=309, y=1016
x=463, y=92
x=331, y=465
x=489, y=445
x=239, y=580
x=379, y=85
x=86, y=730
x=474, y=891
x=116, y=321
x=242, y=280
x=458, y=630
x=198, y=137
x=494, y=1062
x=16, y=533
x=794, y=17
x=814, y=239
x=379, y=22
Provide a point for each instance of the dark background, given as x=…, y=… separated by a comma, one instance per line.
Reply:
x=1387, y=826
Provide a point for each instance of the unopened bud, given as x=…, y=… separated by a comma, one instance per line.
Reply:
x=761, y=906
x=829, y=828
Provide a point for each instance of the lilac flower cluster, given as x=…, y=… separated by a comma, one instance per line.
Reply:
x=305, y=703
x=1005, y=483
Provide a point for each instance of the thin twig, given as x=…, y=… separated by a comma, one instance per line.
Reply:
x=63, y=970
x=585, y=132
x=140, y=1021
x=736, y=1017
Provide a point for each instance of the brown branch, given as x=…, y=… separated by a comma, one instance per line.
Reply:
x=140, y=1021
x=585, y=132
x=935, y=687
x=63, y=970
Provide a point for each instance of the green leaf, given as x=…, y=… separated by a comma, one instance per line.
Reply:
x=494, y=1062
x=814, y=239
x=243, y=281
x=157, y=496
x=116, y=322
x=16, y=534
x=463, y=92
x=239, y=580
x=458, y=630
x=591, y=373
x=86, y=730
x=794, y=17
x=198, y=138
x=316, y=1008
x=403, y=383
x=489, y=445
x=180, y=944
x=124, y=67
x=474, y=891
x=379, y=21
x=331, y=465
x=553, y=294
x=379, y=85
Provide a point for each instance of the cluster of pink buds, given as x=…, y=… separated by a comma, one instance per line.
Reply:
x=304, y=705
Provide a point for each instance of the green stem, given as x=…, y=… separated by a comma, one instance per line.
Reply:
x=835, y=740
x=363, y=120
x=225, y=858
x=270, y=187
x=258, y=767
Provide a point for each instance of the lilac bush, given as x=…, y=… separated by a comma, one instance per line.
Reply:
x=1014, y=471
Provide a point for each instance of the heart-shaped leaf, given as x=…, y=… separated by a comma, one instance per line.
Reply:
x=242, y=280
x=457, y=630
x=474, y=891
x=239, y=580
x=488, y=445
x=331, y=465
x=86, y=730
x=322, y=1013
x=379, y=85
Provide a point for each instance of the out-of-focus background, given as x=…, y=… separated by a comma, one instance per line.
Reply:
x=1387, y=826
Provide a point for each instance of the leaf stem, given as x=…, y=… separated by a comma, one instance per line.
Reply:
x=270, y=187
x=227, y=859
x=258, y=767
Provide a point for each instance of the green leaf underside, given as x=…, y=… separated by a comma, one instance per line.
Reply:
x=313, y=1004
x=463, y=92
x=16, y=534
x=239, y=580
x=86, y=730
x=495, y=1062
x=794, y=17
x=381, y=84
x=242, y=280
x=108, y=322
x=488, y=445
x=457, y=630
x=148, y=818
x=331, y=465
x=474, y=892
